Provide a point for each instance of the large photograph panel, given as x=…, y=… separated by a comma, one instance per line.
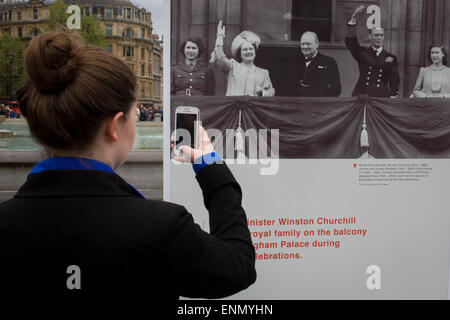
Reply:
x=400, y=222
x=296, y=60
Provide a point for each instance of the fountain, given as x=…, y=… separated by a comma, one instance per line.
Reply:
x=149, y=136
x=5, y=133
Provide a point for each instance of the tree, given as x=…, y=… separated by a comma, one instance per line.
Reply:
x=92, y=30
x=11, y=65
x=12, y=49
x=58, y=17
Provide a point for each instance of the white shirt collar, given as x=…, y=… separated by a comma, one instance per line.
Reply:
x=317, y=52
x=193, y=63
x=378, y=51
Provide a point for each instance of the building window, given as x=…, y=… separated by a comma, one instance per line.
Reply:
x=35, y=13
x=87, y=11
x=128, y=13
x=109, y=48
x=143, y=89
x=98, y=10
x=35, y=32
x=142, y=53
x=143, y=69
x=128, y=51
x=108, y=12
x=5, y=16
x=156, y=63
x=116, y=11
x=127, y=33
x=108, y=30
x=311, y=16
x=19, y=16
x=142, y=33
x=157, y=88
x=19, y=32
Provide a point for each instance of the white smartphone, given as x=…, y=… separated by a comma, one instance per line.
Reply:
x=187, y=122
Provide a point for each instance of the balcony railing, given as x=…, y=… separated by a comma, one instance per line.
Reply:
x=122, y=19
x=15, y=21
x=115, y=36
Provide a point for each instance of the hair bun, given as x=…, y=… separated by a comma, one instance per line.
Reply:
x=51, y=61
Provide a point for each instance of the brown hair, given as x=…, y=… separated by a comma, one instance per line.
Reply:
x=195, y=40
x=71, y=89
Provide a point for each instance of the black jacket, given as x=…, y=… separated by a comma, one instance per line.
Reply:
x=124, y=245
x=378, y=75
x=319, y=79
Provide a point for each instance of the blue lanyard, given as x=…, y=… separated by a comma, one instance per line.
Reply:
x=69, y=163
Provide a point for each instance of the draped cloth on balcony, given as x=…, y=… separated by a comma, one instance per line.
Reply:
x=331, y=127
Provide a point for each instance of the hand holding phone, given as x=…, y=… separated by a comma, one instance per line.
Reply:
x=187, y=121
x=191, y=140
x=189, y=154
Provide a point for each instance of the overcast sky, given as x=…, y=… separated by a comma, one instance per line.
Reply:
x=157, y=10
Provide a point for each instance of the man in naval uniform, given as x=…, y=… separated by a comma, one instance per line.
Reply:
x=315, y=74
x=378, y=69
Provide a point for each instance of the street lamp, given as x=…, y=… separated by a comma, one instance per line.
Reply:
x=10, y=56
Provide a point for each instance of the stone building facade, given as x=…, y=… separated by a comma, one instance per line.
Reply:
x=410, y=26
x=129, y=35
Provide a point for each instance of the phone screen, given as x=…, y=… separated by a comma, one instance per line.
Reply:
x=185, y=121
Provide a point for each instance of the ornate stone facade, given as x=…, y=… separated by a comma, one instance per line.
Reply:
x=128, y=33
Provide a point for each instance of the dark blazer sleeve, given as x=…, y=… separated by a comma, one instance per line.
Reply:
x=335, y=79
x=352, y=44
x=221, y=263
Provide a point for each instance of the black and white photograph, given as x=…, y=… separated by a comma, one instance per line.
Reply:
x=339, y=79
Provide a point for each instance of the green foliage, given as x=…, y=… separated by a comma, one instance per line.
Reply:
x=92, y=30
x=58, y=17
x=11, y=56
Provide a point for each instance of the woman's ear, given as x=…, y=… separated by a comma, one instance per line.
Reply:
x=112, y=126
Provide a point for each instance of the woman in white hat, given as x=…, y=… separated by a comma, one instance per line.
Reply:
x=244, y=78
